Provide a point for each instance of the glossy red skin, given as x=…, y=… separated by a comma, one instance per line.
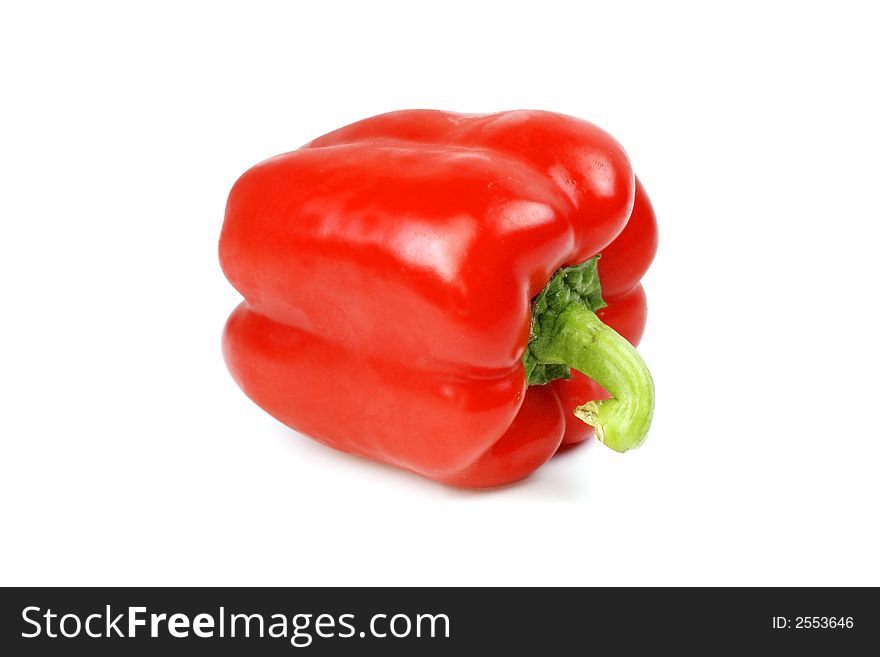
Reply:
x=387, y=270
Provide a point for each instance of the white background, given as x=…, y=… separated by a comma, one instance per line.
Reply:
x=130, y=457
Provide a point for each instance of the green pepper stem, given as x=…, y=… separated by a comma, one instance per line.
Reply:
x=580, y=340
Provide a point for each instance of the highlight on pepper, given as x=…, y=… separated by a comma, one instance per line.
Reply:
x=457, y=295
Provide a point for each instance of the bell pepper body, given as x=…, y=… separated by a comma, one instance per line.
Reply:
x=387, y=271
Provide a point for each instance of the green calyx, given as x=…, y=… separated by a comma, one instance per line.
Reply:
x=577, y=284
x=566, y=333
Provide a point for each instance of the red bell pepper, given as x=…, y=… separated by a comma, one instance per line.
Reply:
x=419, y=287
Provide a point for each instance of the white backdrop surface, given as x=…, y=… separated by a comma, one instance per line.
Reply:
x=129, y=456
